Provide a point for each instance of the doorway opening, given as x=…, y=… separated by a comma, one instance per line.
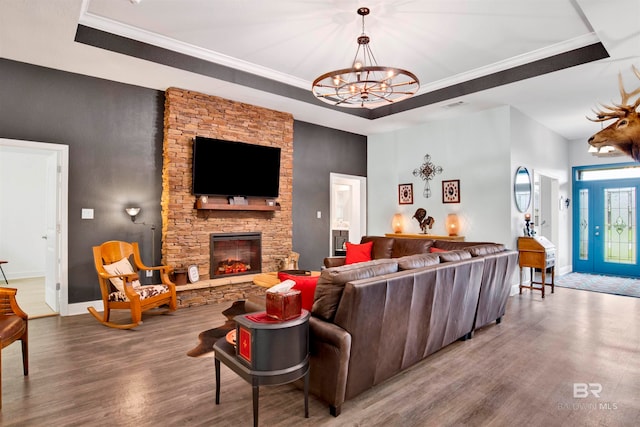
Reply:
x=605, y=219
x=33, y=223
x=348, y=205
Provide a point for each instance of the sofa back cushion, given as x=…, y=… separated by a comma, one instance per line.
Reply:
x=403, y=247
x=411, y=262
x=457, y=255
x=485, y=249
x=452, y=245
x=332, y=280
x=381, y=246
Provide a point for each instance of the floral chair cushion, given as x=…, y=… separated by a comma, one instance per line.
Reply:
x=145, y=292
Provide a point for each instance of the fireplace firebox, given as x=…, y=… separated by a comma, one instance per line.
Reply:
x=234, y=254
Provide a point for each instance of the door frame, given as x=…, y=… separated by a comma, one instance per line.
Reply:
x=62, y=182
x=361, y=183
x=595, y=250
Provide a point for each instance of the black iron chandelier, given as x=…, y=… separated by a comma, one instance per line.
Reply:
x=365, y=84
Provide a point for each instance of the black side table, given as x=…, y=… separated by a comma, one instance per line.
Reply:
x=268, y=354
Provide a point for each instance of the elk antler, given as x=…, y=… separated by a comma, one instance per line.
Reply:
x=624, y=95
x=619, y=110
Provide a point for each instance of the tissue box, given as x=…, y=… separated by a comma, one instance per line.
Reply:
x=284, y=305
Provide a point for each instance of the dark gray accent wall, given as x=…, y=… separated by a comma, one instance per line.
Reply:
x=318, y=151
x=114, y=134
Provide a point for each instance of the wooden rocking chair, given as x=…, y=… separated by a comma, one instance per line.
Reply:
x=121, y=288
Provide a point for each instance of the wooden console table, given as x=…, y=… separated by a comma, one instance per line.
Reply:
x=426, y=236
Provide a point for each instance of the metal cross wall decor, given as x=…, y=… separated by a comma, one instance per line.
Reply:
x=427, y=172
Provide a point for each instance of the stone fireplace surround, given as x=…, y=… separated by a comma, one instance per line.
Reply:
x=185, y=229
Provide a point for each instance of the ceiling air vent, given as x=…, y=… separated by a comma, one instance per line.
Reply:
x=455, y=104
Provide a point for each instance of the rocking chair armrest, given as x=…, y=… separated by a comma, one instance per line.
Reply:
x=159, y=268
x=15, y=308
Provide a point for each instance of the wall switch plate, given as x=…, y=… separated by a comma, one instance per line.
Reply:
x=319, y=214
x=149, y=273
x=87, y=213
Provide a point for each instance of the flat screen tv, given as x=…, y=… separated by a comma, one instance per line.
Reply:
x=229, y=168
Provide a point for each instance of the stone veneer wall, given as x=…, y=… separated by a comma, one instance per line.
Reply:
x=186, y=230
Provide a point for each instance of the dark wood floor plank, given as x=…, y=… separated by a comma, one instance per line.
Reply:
x=520, y=372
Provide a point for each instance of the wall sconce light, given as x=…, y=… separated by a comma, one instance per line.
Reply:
x=132, y=213
x=453, y=224
x=397, y=223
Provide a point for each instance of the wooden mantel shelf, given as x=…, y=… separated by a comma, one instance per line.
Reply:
x=221, y=204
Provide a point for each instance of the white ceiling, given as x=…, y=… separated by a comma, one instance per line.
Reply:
x=443, y=42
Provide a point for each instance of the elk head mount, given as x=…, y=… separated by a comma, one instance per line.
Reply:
x=624, y=133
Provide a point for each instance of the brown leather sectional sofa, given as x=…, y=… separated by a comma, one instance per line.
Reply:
x=374, y=319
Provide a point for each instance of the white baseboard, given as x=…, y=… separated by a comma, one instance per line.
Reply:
x=81, y=307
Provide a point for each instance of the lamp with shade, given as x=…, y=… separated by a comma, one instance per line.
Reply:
x=397, y=223
x=452, y=224
x=132, y=213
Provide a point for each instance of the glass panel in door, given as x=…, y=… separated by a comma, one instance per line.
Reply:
x=620, y=231
x=605, y=227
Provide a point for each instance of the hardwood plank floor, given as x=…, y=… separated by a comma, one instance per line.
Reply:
x=31, y=297
x=520, y=372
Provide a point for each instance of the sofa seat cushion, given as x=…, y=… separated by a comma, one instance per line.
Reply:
x=358, y=253
x=381, y=246
x=457, y=255
x=332, y=280
x=403, y=247
x=411, y=262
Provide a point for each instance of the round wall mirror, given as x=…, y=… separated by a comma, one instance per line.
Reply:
x=522, y=189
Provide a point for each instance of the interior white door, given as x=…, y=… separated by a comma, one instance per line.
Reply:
x=51, y=234
x=348, y=206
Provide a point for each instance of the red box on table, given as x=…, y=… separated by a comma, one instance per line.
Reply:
x=284, y=305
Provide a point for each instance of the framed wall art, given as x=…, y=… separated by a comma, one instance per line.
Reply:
x=405, y=194
x=451, y=191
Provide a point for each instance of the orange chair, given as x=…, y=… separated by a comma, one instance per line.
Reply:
x=120, y=286
x=13, y=327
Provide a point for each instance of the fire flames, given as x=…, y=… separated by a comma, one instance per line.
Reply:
x=232, y=266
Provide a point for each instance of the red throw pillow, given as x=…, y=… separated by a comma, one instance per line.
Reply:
x=305, y=284
x=432, y=250
x=358, y=253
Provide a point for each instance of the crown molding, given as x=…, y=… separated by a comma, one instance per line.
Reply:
x=124, y=30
